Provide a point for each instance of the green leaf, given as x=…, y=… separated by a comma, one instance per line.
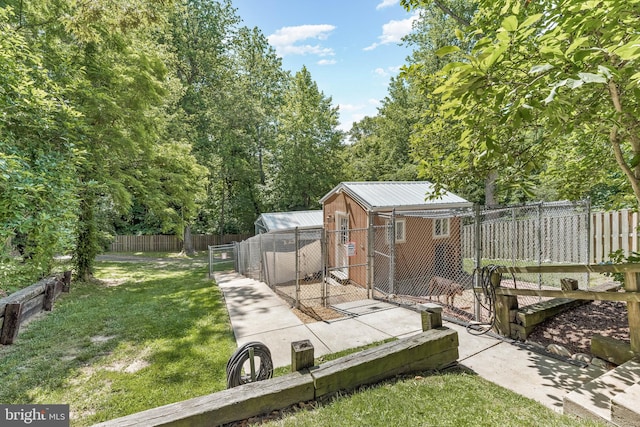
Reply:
x=551, y=96
x=447, y=50
x=531, y=20
x=576, y=44
x=536, y=69
x=510, y=23
x=629, y=51
x=592, y=78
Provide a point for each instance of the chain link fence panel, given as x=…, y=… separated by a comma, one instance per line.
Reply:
x=422, y=256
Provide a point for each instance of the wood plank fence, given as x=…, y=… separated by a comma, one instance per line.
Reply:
x=20, y=306
x=557, y=238
x=612, y=231
x=170, y=243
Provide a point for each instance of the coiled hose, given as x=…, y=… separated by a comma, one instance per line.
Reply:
x=488, y=298
x=244, y=354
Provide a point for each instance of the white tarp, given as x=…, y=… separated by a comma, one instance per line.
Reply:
x=280, y=267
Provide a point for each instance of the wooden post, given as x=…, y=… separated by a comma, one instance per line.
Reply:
x=302, y=355
x=568, y=284
x=431, y=316
x=11, y=325
x=49, y=295
x=504, y=305
x=66, y=281
x=632, y=284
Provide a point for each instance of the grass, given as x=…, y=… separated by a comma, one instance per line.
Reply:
x=149, y=335
x=454, y=398
x=152, y=333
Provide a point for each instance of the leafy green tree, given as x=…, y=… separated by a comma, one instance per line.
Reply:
x=307, y=160
x=556, y=70
x=105, y=60
x=380, y=150
x=233, y=84
x=37, y=158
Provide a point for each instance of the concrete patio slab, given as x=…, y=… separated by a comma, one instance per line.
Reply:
x=533, y=375
x=470, y=344
x=279, y=343
x=394, y=322
x=345, y=334
x=250, y=321
x=363, y=307
x=257, y=314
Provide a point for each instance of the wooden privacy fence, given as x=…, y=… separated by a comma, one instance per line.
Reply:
x=170, y=243
x=25, y=303
x=545, y=239
x=612, y=231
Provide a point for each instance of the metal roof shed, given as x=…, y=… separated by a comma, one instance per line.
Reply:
x=398, y=195
x=282, y=221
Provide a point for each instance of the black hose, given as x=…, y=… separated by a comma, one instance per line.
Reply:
x=489, y=300
x=242, y=355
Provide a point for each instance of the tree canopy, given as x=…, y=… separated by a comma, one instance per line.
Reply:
x=541, y=79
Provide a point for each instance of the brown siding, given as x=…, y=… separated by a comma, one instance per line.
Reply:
x=358, y=223
x=415, y=258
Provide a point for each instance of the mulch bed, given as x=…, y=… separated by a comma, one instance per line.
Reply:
x=573, y=329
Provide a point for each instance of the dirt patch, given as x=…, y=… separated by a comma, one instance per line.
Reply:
x=573, y=329
x=315, y=314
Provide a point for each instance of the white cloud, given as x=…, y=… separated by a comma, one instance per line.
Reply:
x=386, y=3
x=374, y=102
x=381, y=72
x=285, y=40
x=327, y=62
x=386, y=72
x=393, y=31
x=350, y=107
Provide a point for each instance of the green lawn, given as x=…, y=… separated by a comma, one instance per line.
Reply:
x=149, y=335
x=453, y=398
x=152, y=333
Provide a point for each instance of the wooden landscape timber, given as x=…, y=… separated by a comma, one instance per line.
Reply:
x=506, y=300
x=20, y=306
x=431, y=350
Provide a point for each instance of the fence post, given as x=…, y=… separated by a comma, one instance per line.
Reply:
x=261, y=263
x=370, y=256
x=11, y=325
x=539, y=243
x=478, y=259
x=297, y=241
x=632, y=284
x=514, y=252
x=391, y=232
x=504, y=305
x=323, y=265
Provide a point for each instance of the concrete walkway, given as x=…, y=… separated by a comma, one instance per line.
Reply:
x=258, y=314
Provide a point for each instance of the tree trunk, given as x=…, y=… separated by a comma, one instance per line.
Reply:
x=87, y=247
x=490, y=189
x=187, y=243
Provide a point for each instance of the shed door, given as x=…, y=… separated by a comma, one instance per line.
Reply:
x=342, y=259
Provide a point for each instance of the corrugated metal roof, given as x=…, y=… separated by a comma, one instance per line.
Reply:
x=399, y=195
x=275, y=221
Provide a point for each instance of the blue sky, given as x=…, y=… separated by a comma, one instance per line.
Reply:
x=351, y=47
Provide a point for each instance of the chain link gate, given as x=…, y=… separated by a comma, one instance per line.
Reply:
x=420, y=257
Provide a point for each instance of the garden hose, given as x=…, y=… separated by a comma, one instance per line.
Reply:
x=487, y=300
x=488, y=303
x=248, y=352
